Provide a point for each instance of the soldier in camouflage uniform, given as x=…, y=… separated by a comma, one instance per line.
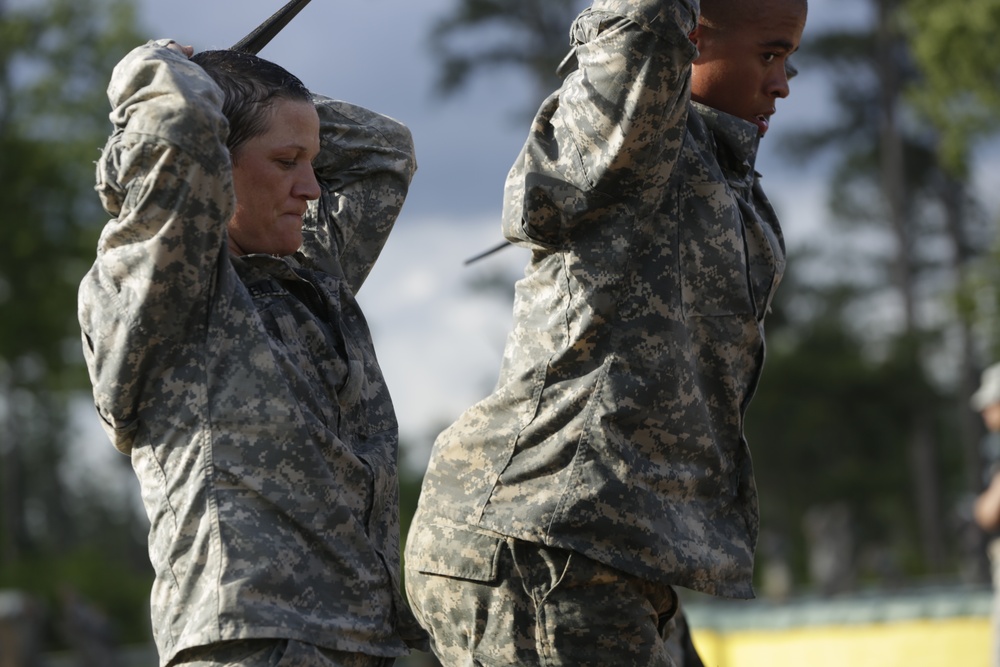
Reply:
x=231, y=362
x=986, y=508
x=609, y=463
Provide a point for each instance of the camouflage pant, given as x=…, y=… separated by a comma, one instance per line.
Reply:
x=273, y=653
x=547, y=607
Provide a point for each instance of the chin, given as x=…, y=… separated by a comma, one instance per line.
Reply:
x=285, y=251
x=288, y=244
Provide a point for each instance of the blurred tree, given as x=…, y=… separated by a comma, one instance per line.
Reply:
x=959, y=93
x=915, y=218
x=480, y=35
x=954, y=49
x=55, y=60
x=824, y=429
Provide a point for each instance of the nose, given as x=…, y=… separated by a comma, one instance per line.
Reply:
x=777, y=84
x=306, y=185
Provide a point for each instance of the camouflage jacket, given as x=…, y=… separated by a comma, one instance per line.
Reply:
x=616, y=427
x=246, y=390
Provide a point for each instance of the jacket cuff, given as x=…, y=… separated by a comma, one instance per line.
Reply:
x=661, y=17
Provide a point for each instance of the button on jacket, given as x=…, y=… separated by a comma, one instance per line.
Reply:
x=616, y=427
x=246, y=390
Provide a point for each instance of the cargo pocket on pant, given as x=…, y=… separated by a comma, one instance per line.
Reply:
x=450, y=551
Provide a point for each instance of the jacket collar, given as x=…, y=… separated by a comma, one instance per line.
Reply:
x=737, y=141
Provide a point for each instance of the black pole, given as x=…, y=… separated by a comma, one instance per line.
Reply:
x=266, y=31
x=482, y=255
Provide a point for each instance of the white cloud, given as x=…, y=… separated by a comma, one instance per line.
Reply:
x=439, y=341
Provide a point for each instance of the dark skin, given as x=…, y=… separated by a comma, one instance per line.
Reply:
x=742, y=69
x=725, y=14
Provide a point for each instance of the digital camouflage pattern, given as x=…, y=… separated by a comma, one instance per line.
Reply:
x=246, y=390
x=275, y=653
x=549, y=602
x=616, y=427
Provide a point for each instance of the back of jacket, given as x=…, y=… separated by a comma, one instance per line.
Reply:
x=246, y=390
x=616, y=428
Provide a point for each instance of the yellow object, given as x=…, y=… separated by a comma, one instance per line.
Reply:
x=948, y=642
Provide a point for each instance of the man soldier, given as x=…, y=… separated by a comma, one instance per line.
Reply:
x=609, y=464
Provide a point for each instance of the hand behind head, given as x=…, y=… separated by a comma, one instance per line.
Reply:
x=186, y=51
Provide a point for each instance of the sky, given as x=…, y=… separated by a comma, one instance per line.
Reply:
x=439, y=341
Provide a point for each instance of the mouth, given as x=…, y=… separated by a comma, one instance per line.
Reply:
x=763, y=122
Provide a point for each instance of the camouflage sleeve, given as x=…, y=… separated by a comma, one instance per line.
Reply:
x=662, y=17
x=611, y=134
x=164, y=176
x=365, y=165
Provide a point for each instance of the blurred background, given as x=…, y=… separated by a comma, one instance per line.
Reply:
x=883, y=165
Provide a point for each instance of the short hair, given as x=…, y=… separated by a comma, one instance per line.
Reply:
x=722, y=14
x=250, y=86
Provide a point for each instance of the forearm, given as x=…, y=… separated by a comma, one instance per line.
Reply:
x=164, y=176
x=158, y=92
x=614, y=129
x=365, y=166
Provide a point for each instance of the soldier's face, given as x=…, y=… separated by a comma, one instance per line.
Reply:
x=742, y=70
x=274, y=181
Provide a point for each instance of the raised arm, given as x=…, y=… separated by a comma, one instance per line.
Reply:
x=165, y=177
x=365, y=166
x=612, y=133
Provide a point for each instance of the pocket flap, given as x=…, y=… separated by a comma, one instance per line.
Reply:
x=452, y=551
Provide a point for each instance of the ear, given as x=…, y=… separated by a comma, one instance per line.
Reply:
x=697, y=37
x=696, y=34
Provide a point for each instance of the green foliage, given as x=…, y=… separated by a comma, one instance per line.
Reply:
x=978, y=302
x=54, y=64
x=829, y=425
x=954, y=46
x=833, y=422
x=959, y=93
x=117, y=588
x=56, y=57
x=854, y=136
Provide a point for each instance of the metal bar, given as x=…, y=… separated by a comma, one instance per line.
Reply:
x=266, y=31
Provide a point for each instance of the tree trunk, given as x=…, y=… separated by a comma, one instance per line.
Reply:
x=922, y=445
x=11, y=493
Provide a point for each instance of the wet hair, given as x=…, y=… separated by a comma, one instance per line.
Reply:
x=723, y=14
x=250, y=86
